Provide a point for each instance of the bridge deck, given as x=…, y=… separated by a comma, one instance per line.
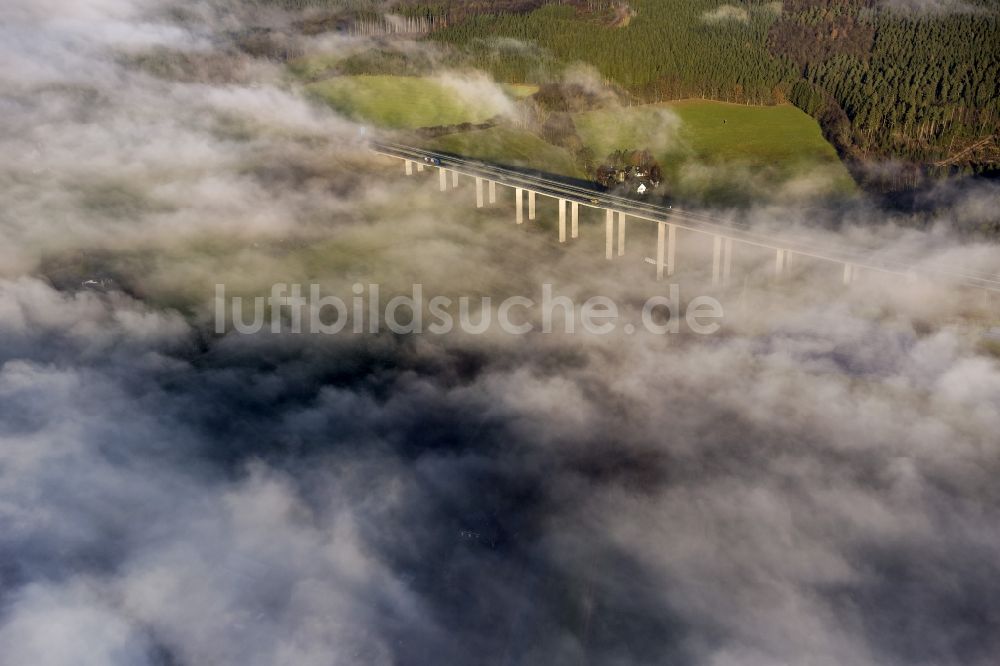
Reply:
x=688, y=220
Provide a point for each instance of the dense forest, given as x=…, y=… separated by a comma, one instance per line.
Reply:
x=920, y=88
x=658, y=49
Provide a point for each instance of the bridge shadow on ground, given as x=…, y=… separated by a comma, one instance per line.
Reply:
x=528, y=171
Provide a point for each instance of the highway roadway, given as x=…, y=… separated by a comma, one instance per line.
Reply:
x=683, y=219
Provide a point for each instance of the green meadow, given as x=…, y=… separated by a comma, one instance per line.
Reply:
x=407, y=102
x=721, y=152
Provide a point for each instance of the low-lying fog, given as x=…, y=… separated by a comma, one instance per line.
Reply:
x=814, y=484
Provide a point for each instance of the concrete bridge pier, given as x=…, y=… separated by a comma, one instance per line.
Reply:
x=609, y=233
x=454, y=179
x=661, y=232
x=609, y=230
x=671, y=248
x=727, y=261
x=493, y=191
x=779, y=263
x=666, y=245
x=562, y=220
x=479, y=192
x=848, y=274
x=716, y=259
x=409, y=167
x=519, y=204
x=722, y=260
x=531, y=204
x=621, y=234
x=420, y=166
x=575, y=219
x=443, y=179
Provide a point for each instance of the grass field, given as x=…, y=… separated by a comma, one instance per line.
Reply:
x=722, y=152
x=408, y=102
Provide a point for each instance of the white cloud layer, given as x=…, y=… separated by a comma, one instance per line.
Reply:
x=815, y=485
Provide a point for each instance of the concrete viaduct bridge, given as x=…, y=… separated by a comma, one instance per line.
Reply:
x=668, y=220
